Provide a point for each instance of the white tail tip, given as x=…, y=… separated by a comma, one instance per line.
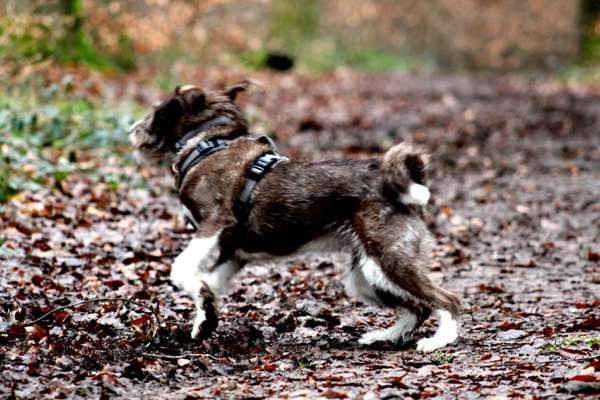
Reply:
x=417, y=194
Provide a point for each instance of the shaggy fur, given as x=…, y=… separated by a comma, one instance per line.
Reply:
x=373, y=208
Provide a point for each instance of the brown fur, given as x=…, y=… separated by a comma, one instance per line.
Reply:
x=296, y=202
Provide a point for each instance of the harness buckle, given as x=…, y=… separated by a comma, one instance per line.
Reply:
x=260, y=166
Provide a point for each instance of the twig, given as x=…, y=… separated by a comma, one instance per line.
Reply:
x=101, y=300
x=500, y=362
x=172, y=357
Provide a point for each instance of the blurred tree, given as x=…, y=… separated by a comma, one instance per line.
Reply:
x=34, y=30
x=590, y=32
x=74, y=34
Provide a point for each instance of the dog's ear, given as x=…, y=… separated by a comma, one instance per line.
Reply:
x=192, y=97
x=165, y=115
x=233, y=90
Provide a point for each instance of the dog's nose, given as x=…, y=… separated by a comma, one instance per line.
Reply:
x=135, y=125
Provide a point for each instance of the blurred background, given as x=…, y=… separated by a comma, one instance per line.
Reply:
x=314, y=35
x=77, y=72
x=505, y=94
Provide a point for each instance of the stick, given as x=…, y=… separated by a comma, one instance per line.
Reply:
x=173, y=357
x=534, y=362
x=101, y=300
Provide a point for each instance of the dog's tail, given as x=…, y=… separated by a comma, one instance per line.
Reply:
x=445, y=300
x=404, y=174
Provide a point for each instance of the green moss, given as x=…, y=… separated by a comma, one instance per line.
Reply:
x=441, y=358
x=368, y=60
x=574, y=340
x=587, y=341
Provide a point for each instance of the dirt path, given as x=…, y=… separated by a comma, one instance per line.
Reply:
x=515, y=211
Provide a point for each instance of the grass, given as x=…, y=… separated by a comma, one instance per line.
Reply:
x=322, y=60
x=294, y=30
x=305, y=363
x=587, y=341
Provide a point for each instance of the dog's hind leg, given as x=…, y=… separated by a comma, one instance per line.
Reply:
x=370, y=284
x=401, y=330
x=393, y=256
x=202, y=271
x=446, y=333
x=358, y=285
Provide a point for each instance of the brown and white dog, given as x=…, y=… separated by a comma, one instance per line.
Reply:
x=371, y=208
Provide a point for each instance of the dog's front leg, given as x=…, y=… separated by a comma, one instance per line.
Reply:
x=202, y=271
x=213, y=282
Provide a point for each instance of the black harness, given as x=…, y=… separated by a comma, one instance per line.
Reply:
x=219, y=121
x=258, y=169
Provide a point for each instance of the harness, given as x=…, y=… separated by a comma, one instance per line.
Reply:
x=259, y=168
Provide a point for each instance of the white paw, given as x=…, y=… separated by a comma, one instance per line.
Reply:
x=376, y=336
x=200, y=318
x=428, y=345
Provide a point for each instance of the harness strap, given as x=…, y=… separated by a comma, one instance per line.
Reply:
x=202, y=149
x=260, y=167
x=219, y=121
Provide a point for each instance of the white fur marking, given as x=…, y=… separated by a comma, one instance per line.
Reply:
x=447, y=333
x=400, y=330
x=357, y=286
x=323, y=244
x=376, y=277
x=185, y=88
x=185, y=272
x=217, y=279
x=190, y=216
x=417, y=194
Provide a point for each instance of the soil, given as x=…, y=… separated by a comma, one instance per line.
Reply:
x=515, y=211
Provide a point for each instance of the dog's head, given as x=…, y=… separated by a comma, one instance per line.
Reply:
x=187, y=108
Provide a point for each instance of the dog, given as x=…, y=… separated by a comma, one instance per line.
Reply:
x=247, y=202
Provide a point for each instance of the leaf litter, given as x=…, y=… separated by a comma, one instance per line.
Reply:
x=515, y=211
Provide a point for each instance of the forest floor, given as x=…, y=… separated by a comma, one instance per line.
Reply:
x=515, y=212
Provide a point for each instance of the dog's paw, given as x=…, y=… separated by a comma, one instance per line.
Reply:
x=378, y=336
x=197, y=327
x=203, y=326
x=206, y=320
x=428, y=345
x=368, y=339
